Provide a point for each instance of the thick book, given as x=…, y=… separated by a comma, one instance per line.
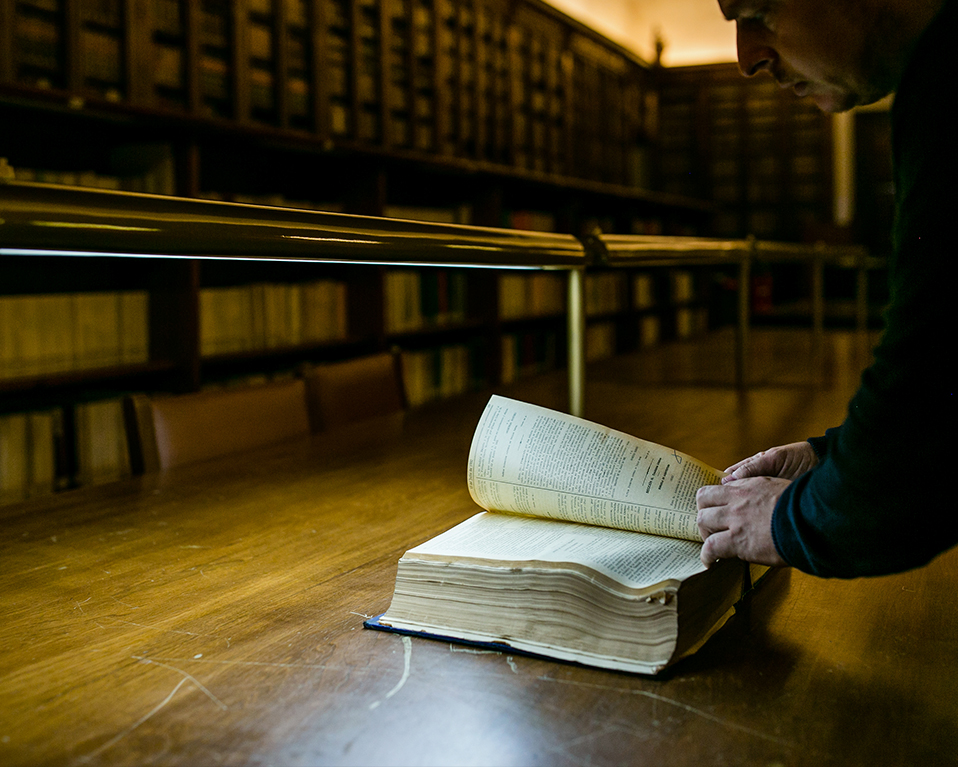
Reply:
x=587, y=549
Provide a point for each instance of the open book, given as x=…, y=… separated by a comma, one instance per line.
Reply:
x=588, y=550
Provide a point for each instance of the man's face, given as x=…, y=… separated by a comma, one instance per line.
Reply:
x=824, y=49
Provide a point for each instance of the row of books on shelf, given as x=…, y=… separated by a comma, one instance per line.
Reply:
x=54, y=333
x=543, y=294
x=483, y=82
x=528, y=353
x=433, y=297
x=601, y=338
x=687, y=322
x=58, y=332
x=158, y=178
x=271, y=315
x=443, y=372
x=420, y=299
x=28, y=454
x=31, y=450
x=32, y=446
x=600, y=341
x=540, y=294
x=605, y=292
x=153, y=171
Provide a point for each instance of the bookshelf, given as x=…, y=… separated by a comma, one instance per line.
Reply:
x=476, y=112
x=211, y=292
x=765, y=159
x=761, y=155
x=333, y=102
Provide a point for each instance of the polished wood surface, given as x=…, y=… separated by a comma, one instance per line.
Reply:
x=213, y=614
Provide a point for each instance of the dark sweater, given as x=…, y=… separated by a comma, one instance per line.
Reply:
x=883, y=497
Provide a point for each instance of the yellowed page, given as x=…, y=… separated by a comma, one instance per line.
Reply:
x=532, y=460
x=634, y=560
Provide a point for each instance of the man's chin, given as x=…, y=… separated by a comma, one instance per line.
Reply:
x=833, y=101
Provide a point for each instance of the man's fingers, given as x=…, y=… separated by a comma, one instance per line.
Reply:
x=784, y=461
x=735, y=520
x=707, y=523
x=710, y=495
x=757, y=465
x=736, y=466
x=710, y=499
x=717, y=546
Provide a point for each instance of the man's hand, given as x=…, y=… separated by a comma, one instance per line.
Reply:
x=786, y=462
x=735, y=520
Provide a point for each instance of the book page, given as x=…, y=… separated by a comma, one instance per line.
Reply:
x=633, y=559
x=532, y=460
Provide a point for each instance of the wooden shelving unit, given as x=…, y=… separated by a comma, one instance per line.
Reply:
x=496, y=113
x=760, y=154
x=201, y=317
x=475, y=111
x=765, y=159
x=332, y=101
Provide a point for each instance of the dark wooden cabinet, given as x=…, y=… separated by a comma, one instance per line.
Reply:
x=763, y=156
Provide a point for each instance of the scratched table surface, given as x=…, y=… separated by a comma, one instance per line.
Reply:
x=213, y=615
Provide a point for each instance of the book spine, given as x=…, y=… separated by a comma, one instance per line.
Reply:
x=102, y=454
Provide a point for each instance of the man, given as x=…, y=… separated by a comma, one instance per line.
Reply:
x=873, y=495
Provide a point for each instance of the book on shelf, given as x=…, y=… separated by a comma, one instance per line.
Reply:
x=102, y=454
x=28, y=454
x=650, y=331
x=600, y=341
x=264, y=315
x=422, y=299
x=527, y=353
x=586, y=550
x=690, y=321
x=431, y=374
x=605, y=292
x=643, y=291
x=683, y=286
x=54, y=333
x=531, y=295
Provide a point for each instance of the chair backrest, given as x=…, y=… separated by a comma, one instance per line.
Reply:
x=341, y=393
x=172, y=430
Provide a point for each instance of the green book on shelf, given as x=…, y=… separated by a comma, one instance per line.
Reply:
x=587, y=549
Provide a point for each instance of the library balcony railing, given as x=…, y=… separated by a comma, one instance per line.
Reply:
x=819, y=256
x=741, y=255
x=48, y=220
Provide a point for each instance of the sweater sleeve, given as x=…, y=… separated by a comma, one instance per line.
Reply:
x=880, y=499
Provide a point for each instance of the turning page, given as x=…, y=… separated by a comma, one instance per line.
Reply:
x=528, y=459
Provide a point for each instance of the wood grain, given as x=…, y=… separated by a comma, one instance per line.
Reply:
x=213, y=615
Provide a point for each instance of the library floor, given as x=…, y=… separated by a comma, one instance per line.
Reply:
x=683, y=394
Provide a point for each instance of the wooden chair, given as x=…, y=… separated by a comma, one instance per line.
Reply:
x=168, y=431
x=341, y=393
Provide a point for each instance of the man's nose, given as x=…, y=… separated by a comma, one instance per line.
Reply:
x=754, y=52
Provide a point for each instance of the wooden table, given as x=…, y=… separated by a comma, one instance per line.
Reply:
x=213, y=615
